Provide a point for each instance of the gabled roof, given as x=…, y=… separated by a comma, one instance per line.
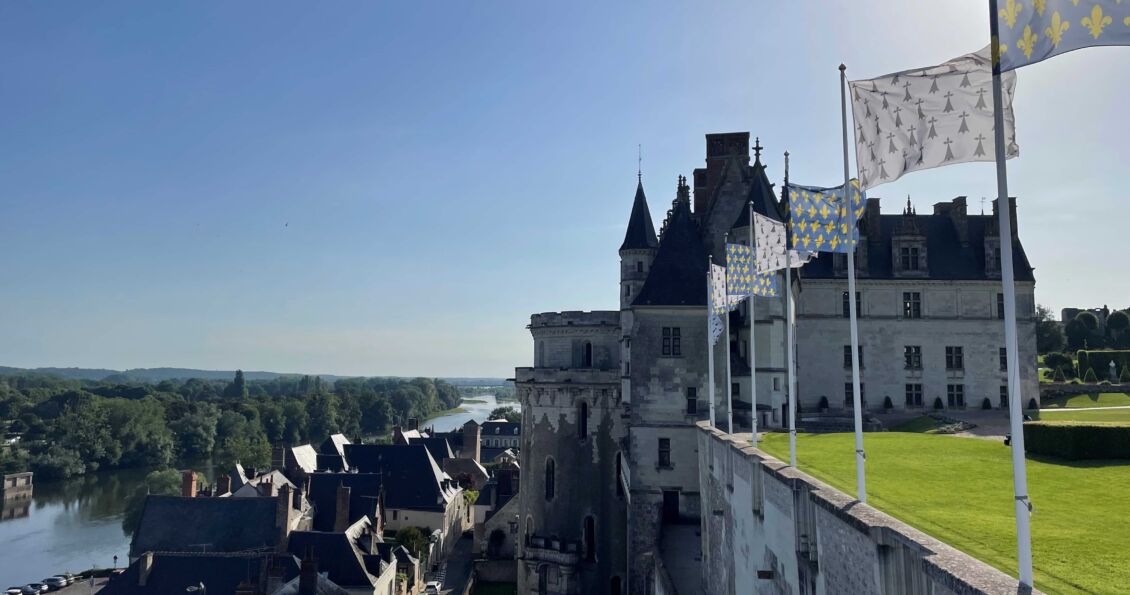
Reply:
x=330, y=462
x=437, y=446
x=324, y=587
x=305, y=457
x=178, y=524
x=500, y=428
x=334, y=445
x=337, y=555
x=641, y=231
x=412, y=478
x=762, y=196
x=678, y=274
x=364, y=489
x=219, y=572
x=946, y=258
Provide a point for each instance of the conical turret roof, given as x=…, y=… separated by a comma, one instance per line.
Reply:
x=641, y=231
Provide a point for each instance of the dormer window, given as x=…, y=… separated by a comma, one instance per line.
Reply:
x=908, y=256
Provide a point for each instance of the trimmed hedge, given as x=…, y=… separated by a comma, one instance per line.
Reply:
x=1099, y=361
x=1078, y=440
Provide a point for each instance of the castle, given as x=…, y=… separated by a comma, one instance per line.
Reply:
x=611, y=404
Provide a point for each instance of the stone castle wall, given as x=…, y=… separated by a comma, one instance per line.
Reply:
x=771, y=529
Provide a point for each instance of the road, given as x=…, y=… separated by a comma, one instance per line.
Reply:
x=456, y=571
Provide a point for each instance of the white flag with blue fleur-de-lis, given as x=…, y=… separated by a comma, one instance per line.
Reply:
x=1031, y=31
x=929, y=117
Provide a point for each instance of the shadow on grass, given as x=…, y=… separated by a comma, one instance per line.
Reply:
x=1080, y=463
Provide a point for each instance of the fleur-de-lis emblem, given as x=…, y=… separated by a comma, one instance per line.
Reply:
x=1056, y=29
x=1039, y=6
x=1028, y=41
x=1010, y=11
x=1097, y=21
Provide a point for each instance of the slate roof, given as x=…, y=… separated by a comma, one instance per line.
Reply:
x=334, y=445
x=946, y=258
x=500, y=428
x=437, y=446
x=178, y=524
x=365, y=488
x=641, y=230
x=305, y=457
x=330, y=463
x=762, y=196
x=412, y=478
x=678, y=274
x=336, y=554
x=324, y=587
x=172, y=572
x=251, y=488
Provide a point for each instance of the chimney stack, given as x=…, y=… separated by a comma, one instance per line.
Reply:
x=341, y=510
x=472, y=441
x=308, y=578
x=278, y=457
x=188, y=483
x=283, y=514
x=223, y=485
x=413, y=423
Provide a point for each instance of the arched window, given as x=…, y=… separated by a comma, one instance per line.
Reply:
x=582, y=420
x=615, y=585
x=586, y=356
x=550, y=479
x=590, y=539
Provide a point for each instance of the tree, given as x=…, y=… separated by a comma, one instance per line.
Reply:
x=237, y=390
x=162, y=482
x=1076, y=332
x=323, y=411
x=196, y=432
x=508, y=413
x=1118, y=324
x=297, y=428
x=414, y=539
x=1049, y=332
x=1088, y=319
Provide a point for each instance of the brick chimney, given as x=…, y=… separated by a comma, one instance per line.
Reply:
x=308, y=578
x=871, y=218
x=278, y=457
x=223, y=485
x=1012, y=214
x=144, y=566
x=958, y=215
x=413, y=423
x=472, y=441
x=341, y=510
x=188, y=483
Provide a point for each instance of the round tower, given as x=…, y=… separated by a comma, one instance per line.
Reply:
x=638, y=250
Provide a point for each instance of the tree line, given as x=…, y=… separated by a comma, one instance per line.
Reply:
x=69, y=427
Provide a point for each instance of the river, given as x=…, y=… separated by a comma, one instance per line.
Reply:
x=76, y=524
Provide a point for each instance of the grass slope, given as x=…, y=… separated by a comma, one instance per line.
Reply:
x=960, y=491
x=1091, y=400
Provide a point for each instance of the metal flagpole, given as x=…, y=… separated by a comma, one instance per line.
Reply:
x=1022, y=505
x=752, y=336
x=791, y=388
x=709, y=332
x=729, y=380
x=856, y=390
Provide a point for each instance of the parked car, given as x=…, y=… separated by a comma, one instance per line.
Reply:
x=34, y=589
x=71, y=579
x=55, y=582
x=431, y=588
x=14, y=591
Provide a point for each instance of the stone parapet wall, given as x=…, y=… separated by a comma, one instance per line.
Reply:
x=775, y=529
x=575, y=318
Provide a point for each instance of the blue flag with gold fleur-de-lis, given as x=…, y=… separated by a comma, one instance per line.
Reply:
x=820, y=220
x=1031, y=31
x=742, y=279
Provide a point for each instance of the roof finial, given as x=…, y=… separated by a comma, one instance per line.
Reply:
x=639, y=163
x=756, y=148
x=786, y=168
x=908, y=207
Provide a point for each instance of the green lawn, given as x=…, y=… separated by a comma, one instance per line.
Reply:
x=923, y=424
x=960, y=491
x=1122, y=415
x=1091, y=400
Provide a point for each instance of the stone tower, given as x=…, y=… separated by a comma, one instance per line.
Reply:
x=638, y=250
x=472, y=440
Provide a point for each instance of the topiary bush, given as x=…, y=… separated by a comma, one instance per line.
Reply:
x=1056, y=361
x=986, y=404
x=1058, y=376
x=1078, y=440
x=938, y=403
x=1032, y=404
x=1124, y=378
x=823, y=403
x=1090, y=376
x=887, y=404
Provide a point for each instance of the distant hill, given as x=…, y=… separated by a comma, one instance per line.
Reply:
x=155, y=375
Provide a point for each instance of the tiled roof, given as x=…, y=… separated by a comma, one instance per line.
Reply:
x=412, y=478
x=641, y=230
x=334, y=445
x=365, y=488
x=336, y=554
x=678, y=274
x=178, y=524
x=437, y=446
x=172, y=572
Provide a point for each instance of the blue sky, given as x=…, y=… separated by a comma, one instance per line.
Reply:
x=392, y=188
